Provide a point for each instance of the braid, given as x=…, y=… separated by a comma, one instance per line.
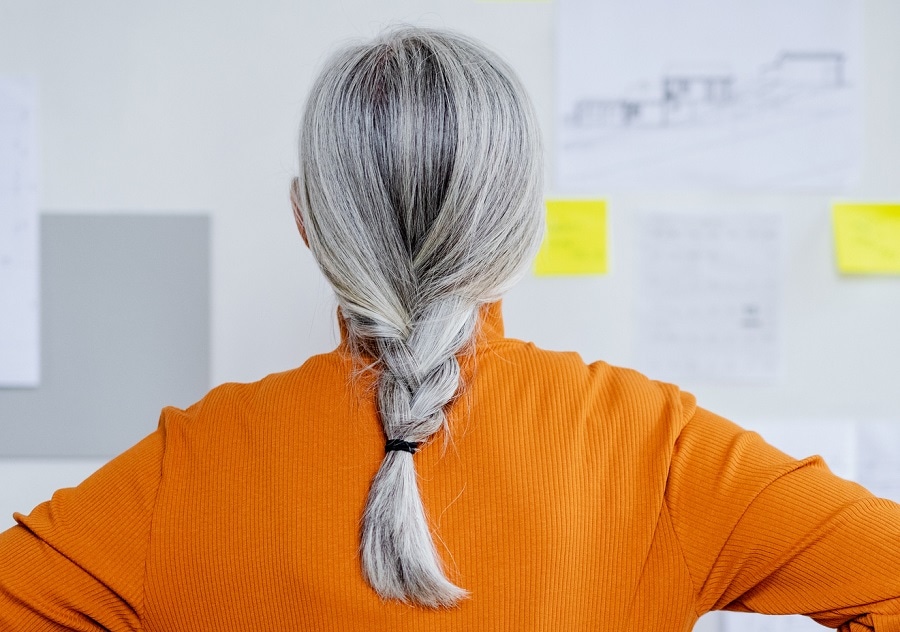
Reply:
x=419, y=192
x=418, y=379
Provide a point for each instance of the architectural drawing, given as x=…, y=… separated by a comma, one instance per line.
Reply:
x=685, y=98
x=768, y=107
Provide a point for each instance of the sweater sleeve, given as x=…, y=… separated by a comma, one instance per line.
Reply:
x=77, y=561
x=763, y=532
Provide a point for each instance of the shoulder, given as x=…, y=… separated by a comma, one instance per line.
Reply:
x=616, y=390
x=245, y=403
x=614, y=405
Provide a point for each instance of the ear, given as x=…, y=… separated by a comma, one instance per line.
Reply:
x=295, y=204
x=301, y=227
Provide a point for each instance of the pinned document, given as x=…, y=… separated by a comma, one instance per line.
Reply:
x=19, y=236
x=867, y=237
x=834, y=440
x=878, y=467
x=575, y=242
x=661, y=95
x=707, y=296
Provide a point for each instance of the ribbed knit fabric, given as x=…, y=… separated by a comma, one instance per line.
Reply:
x=570, y=496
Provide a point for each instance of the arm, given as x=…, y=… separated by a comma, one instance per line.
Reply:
x=77, y=561
x=763, y=532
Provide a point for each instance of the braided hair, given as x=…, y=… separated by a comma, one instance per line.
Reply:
x=420, y=192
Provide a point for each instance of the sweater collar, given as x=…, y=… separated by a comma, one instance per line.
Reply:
x=490, y=324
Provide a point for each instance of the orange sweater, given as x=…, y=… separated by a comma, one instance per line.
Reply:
x=572, y=496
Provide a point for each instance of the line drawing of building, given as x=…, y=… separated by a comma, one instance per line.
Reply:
x=686, y=97
x=807, y=69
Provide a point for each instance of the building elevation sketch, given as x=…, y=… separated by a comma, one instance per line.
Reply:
x=704, y=94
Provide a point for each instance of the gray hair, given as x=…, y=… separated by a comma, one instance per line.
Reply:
x=420, y=192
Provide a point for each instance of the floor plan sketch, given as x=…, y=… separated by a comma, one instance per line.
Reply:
x=698, y=94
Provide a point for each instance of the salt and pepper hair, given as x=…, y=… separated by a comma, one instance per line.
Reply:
x=420, y=192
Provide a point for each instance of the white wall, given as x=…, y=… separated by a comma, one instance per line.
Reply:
x=171, y=106
x=185, y=106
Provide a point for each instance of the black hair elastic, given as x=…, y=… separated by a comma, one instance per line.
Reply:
x=401, y=446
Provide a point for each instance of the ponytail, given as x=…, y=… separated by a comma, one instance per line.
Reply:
x=419, y=191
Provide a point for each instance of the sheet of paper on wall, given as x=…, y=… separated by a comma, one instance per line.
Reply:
x=763, y=95
x=867, y=237
x=752, y=622
x=878, y=469
x=834, y=440
x=19, y=274
x=707, y=297
x=575, y=241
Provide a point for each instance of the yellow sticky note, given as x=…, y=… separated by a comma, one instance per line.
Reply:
x=575, y=242
x=867, y=237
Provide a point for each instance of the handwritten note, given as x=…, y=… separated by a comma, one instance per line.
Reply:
x=575, y=242
x=707, y=297
x=19, y=282
x=867, y=237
